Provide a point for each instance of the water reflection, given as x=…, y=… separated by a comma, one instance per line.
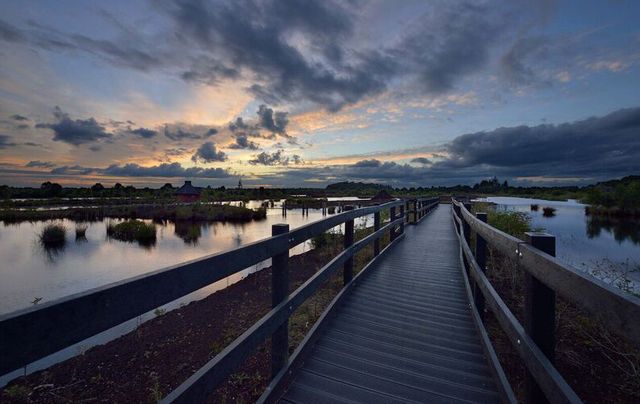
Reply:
x=622, y=229
x=189, y=231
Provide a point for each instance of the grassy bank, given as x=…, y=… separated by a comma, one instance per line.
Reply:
x=599, y=366
x=209, y=212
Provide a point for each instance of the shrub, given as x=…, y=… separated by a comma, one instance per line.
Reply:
x=133, y=230
x=534, y=207
x=548, y=211
x=514, y=223
x=53, y=235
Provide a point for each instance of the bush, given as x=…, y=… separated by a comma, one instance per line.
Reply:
x=548, y=211
x=133, y=230
x=514, y=223
x=53, y=235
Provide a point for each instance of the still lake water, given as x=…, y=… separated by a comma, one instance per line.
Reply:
x=602, y=246
x=28, y=271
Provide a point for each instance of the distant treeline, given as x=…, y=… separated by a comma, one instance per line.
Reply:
x=622, y=193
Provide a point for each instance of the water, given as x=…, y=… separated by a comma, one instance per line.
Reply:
x=605, y=247
x=28, y=272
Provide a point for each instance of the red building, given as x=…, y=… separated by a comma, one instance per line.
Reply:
x=188, y=193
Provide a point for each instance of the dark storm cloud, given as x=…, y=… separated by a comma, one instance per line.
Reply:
x=163, y=170
x=38, y=163
x=274, y=122
x=260, y=41
x=242, y=142
x=179, y=134
x=608, y=145
x=277, y=158
x=516, y=64
x=421, y=160
x=72, y=170
x=9, y=33
x=448, y=43
x=144, y=133
x=207, y=153
x=4, y=142
x=18, y=117
x=252, y=35
x=453, y=41
x=75, y=131
x=372, y=163
x=209, y=71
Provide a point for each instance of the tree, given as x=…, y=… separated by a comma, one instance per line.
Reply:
x=97, y=187
x=51, y=189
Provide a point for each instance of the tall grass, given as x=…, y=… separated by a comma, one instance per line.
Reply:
x=53, y=235
x=133, y=230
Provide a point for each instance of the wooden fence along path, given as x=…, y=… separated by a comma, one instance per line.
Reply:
x=407, y=328
x=404, y=332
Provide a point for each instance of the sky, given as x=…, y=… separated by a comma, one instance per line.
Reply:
x=304, y=93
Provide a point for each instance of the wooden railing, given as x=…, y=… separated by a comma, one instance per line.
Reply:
x=544, y=276
x=33, y=333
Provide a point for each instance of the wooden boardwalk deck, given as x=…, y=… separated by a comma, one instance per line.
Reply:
x=404, y=333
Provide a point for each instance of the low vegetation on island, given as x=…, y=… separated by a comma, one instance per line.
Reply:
x=133, y=230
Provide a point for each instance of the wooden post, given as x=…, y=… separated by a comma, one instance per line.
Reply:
x=279, y=291
x=539, y=313
x=465, y=226
x=392, y=217
x=481, y=259
x=403, y=216
x=376, y=227
x=347, y=273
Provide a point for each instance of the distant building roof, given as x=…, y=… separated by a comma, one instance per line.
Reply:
x=188, y=189
x=382, y=196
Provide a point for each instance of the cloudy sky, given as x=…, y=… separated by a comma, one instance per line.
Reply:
x=305, y=93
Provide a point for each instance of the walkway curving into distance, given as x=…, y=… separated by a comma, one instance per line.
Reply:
x=404, y=333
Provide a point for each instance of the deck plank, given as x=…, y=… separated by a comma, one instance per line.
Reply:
x=404, y=333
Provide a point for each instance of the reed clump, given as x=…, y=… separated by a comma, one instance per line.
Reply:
x=548, y=211
x=132, y=230
x=81, y=231
x=53, y=235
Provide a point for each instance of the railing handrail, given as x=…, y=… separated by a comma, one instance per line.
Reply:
x=609, y=304
x=556, y=389
x=29, y=334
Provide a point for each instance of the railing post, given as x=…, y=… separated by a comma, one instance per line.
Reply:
x=481, y=259
x=415, y=211
x=402, y=215
x=376, y=227
x=347, y=273
x=539, y=312
x=465, y=226
x=392, y=217
x=279, y=291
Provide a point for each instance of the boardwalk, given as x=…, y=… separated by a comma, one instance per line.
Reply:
x=405, y=333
